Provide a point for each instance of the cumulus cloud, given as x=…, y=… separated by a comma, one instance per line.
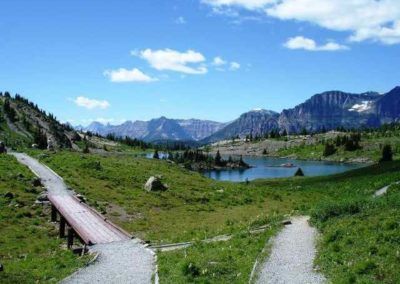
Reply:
x=122, y=75
x=234, y=66
x=218, y=61
x=300, y=42
x=223, y=65
x=91, y=103
x=248, y=4
x=180, y=20
x=189, y=62
x=364, y=19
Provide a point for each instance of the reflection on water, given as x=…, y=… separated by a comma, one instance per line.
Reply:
x=265, y=167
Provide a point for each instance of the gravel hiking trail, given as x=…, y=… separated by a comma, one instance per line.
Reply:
x=292, y=256
x=127, y=261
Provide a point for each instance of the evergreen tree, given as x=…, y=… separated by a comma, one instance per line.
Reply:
x=218, y=158
x=40, y=138
x=387, y=154
x=156, y=155
x=329, y=150
x=86, y=149
x=299, y=173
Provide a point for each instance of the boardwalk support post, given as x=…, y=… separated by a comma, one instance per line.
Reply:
x=62, y=227
x=70, y=238
x=53, y=213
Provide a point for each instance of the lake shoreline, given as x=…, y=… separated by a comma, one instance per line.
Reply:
x=266, y=167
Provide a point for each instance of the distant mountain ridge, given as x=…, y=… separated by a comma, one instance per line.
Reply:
x=327, y=110
x=159, y=129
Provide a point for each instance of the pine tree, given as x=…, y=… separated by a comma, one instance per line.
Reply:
x=387, y=154
x=329, y=150
x=218, y=158
x=299, y=173
x=156, y=155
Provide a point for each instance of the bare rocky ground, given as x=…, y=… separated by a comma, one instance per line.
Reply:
x=292, y=255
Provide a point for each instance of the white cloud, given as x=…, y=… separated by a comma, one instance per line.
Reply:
x=124, y=75
x=364, y=19
x=234, y=66
x=300, y=42
x=91, y=103
x=223, y=65
x=189, y=62
x=218, y=61
x=180, y=20
x=247, y=4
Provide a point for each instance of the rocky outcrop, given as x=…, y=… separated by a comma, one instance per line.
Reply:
x=330, y=110
x=154, y=183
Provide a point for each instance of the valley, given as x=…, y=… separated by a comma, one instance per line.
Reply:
x=110, y=176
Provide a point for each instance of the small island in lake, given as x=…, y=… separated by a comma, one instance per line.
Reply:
x=197, y=160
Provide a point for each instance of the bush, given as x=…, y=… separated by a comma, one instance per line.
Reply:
x=190, y=270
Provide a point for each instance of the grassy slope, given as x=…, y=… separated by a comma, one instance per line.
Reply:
x=114, y=184
x=361, y=238
x=371, y=149
x=195, y=207
x=29, y=248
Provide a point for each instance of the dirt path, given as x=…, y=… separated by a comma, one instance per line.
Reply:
x=120, y=259
x=292, y=255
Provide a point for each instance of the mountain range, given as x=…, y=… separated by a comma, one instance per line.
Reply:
x=327, y=110
x=159, y=129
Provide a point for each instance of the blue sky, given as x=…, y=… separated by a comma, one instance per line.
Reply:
x=209, y=59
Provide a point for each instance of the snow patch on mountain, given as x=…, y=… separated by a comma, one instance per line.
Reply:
x=363, y=106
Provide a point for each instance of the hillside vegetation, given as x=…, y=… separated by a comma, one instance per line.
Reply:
x=23, y=123
x=196, y=208
x=29, y=248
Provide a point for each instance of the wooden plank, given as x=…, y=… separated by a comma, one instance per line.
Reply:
x=87, y=223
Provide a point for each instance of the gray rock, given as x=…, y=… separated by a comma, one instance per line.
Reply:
x=42, y=197
x=154, y=183
x=81, y=198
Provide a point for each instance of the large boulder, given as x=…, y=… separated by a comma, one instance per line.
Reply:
x=154, y=183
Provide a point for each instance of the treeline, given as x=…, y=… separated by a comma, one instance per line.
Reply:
x=349, y=142
x=385, y=130
x=134, y=142
x=190, y=157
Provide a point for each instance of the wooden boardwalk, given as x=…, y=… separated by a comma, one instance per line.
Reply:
x=88, y=224
x=81, y=220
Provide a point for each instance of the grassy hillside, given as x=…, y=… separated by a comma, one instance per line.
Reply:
x=360, y=238
x=195, y=208
x=311, y=147
x=29, y=248
x=22, y=123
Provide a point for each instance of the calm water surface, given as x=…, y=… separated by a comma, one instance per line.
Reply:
x=265, y=167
